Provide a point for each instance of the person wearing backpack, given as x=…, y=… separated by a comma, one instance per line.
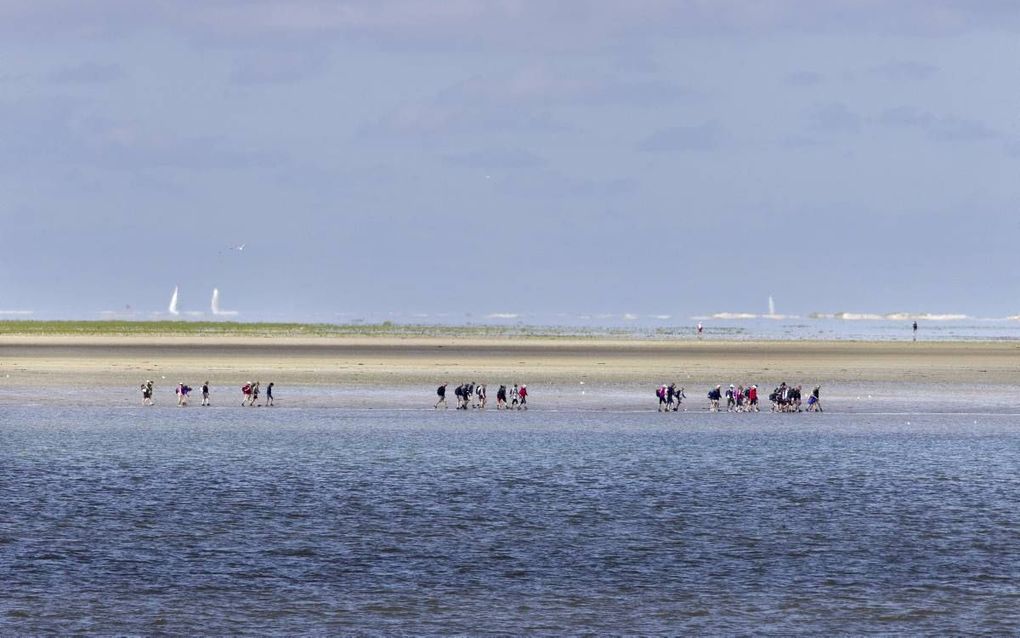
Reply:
x=523, y=394
x=147, y=392
x=714, y=396
x=441, y=393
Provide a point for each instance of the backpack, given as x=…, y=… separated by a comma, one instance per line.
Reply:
x=246, y=388
x=439, y=391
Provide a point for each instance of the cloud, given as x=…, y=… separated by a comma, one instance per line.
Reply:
x=87, y=73
x=436, y=121
x=701, y=137
x=803, y=78
x=552, y=184
x=506, y=24
x=496, y=158
x=956, y=129
x=834, y=117
x=939, y=128
x=905, y=117
x=900, y=71
x=798, y=142
x=49, y=134
x=593, y=20
x=277, y=66
x=524, y=100
x=546, y=85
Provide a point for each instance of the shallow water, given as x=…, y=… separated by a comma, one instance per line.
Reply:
x=166, y=521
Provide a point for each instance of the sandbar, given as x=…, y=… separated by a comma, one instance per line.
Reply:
x=418, y=364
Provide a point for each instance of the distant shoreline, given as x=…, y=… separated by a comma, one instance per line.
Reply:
x=235, y=329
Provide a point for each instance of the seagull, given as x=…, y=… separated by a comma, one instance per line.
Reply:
x=238, y=248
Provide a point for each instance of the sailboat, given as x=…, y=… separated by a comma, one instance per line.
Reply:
x=772, y=311
x=172, y=309
x=215, y=305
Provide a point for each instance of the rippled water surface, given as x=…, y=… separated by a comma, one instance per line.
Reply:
x=166, y=521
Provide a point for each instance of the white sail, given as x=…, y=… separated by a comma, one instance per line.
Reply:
x=173, y=303
x=772, y=306
x=215, y=305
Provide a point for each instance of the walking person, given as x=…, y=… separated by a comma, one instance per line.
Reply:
x=523, y=394
x=661, y=392
x=205, y=395
x=147, y=392
x=180, y=394
x=269, y=394
x=714, y=395
x=501, y=397
x=254, y=394
x=814, y=402
x=441, y=393
x=915, y=331
x=679, y=396
x=480, y=391
x=515, y=397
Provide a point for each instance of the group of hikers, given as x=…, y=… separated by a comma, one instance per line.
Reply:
x=670, y=397
x=250, y=392
x=474, y=395
x=739, y=398
x=788, y=399
x=784, y=398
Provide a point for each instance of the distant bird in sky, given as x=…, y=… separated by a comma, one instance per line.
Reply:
x=238, y=248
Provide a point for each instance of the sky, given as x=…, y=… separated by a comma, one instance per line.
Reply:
x=464, y=158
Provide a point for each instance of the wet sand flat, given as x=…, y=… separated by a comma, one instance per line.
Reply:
x=104, y=361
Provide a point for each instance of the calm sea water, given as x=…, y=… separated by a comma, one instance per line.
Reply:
x=225, y=521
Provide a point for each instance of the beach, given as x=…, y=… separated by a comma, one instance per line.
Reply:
x=560, y=368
